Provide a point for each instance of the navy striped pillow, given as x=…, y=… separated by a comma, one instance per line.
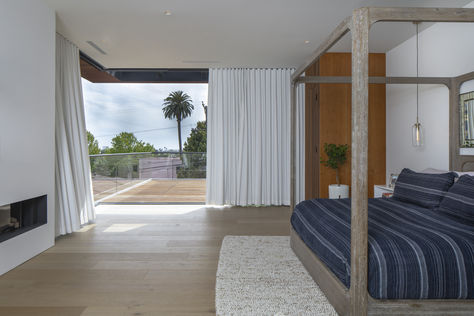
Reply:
x=459, y=200
x=424, y=189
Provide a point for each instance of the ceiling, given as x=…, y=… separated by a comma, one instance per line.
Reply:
x=218, y=33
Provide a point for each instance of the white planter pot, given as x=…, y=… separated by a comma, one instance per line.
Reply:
x=338, y=191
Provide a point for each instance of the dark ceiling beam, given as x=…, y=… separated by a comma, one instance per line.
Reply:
x=95, y=75
x=95, y=72
x=161, y=75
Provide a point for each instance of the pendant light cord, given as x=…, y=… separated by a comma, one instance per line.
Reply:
x=417, y=72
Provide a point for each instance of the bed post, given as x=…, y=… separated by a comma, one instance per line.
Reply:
x=360, y=109
x=293, y=145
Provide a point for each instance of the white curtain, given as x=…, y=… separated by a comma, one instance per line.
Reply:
x=74, y=203
x=248, y=158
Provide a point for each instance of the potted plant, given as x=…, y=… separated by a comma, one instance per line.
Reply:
x=337, y=156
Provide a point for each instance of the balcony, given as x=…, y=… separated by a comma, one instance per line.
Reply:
x=149, y=178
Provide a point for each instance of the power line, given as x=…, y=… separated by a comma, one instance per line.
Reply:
x=145, y=131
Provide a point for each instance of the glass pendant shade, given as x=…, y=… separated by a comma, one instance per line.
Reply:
x=417, y=130
x=417, y=135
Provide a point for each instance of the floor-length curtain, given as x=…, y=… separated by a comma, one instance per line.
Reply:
x=74, y=203
x=248, y=144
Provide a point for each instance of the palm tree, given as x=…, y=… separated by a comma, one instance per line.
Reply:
x=205, y=109
x=178, y=105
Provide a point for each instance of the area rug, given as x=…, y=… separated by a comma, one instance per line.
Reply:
x=260, y=275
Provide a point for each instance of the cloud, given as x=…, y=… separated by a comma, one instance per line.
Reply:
x=112, y=108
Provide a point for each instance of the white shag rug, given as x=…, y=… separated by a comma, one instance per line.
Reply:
x=260, y=275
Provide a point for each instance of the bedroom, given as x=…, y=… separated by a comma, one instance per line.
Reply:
x=257, y=185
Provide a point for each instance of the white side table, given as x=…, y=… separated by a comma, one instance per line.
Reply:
x=379, y=190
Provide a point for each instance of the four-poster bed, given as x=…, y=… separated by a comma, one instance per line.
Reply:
x=355, y=300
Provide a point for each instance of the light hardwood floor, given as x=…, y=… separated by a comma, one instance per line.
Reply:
x=134, y=264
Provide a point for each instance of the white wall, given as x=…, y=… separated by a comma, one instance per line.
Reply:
x=445, y=49
x=27, y=51
x=467, y=86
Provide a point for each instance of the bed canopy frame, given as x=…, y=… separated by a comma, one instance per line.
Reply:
x=356, y=300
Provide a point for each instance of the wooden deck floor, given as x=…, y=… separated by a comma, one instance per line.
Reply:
x=105, y=187
x=134, y=264
x=160, y=191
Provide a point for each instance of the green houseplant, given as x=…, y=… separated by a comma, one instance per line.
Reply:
x=337, y=156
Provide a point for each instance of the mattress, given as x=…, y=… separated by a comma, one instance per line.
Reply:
x=414, y=252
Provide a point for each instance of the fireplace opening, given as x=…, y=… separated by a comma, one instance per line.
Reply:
x=20, y=217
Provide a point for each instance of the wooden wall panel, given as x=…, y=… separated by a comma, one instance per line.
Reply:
x=335, y=116
x=334, y=105
x=312, y=165
x=335, y=125
x=335, y=64
x=377, y=124
x=377, y=140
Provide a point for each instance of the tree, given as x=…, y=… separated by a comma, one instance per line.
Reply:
x=128, y=143
x=178, y=105
x=92, y=144
x=337, y=156
x=195, y=163
x=197, y=140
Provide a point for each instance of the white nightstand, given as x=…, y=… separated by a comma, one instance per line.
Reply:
x=379, y=190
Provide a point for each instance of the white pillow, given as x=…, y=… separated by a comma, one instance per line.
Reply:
x=458, y=173
x=469, y=173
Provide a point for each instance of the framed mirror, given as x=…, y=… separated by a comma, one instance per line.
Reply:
x=466, y=106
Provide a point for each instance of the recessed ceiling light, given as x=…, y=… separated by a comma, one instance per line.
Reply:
x=306, y=42
x=167, y=12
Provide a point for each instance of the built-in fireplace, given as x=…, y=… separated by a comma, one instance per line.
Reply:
x=19, y=217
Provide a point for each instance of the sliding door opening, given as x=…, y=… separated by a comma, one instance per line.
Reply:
x=147, y=142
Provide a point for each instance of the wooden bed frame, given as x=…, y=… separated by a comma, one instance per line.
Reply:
x=339, y=297
x=356, y=300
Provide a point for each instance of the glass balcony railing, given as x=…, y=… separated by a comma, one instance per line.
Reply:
x=114, y=173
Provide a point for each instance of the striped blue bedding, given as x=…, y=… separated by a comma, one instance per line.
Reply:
x=414, y=252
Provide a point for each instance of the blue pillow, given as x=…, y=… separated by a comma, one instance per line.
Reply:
x=459, y=201
x=423, y=189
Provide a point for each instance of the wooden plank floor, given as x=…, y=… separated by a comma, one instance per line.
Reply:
x=164, y=191
x=134, y=264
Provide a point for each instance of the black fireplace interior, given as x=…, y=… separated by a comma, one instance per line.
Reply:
x=19, y=217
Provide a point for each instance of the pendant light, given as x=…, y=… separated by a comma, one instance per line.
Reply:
x=417, y=130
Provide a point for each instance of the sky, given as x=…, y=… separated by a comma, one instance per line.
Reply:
x=111, y=108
